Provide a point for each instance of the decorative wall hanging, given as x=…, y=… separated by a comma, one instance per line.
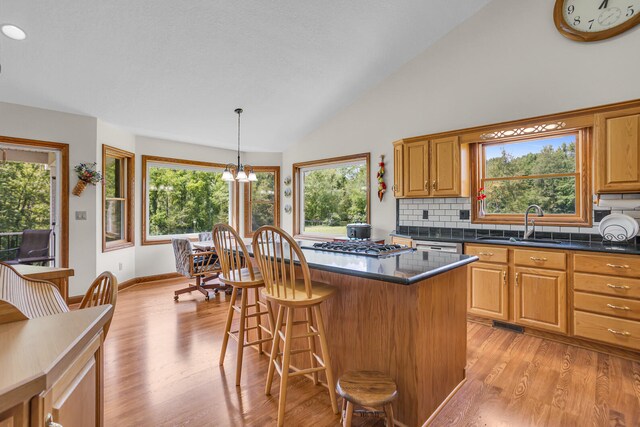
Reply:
x=287, y=192
x=287, y=180
x=287, y=209
x=382, y=187
x=87, y=174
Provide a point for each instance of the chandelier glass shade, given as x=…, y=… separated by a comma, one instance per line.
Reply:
x=238, y=172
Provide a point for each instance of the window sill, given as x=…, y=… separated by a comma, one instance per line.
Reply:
x=116, y=246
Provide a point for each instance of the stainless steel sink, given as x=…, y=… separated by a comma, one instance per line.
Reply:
x=519, y=240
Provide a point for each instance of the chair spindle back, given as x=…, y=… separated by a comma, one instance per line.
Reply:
x=103, y=290
x=276, y=253
x=231, y=252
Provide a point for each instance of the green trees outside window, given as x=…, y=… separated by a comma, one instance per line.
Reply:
x=334, y=197
x=540, y=171
x=183, y=201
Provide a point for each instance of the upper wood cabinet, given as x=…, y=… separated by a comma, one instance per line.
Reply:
x=398, y=169
x=416, y=169
x=431, y=168
x=617, y=135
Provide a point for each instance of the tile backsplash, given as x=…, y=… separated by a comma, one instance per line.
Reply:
x=445, y=212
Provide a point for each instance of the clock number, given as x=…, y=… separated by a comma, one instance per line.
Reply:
x=570, y=9
x=604, y=4
x=576, y=21
x=591, y=23
x=630, y=11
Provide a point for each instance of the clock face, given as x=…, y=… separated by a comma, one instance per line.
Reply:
x=594, y=16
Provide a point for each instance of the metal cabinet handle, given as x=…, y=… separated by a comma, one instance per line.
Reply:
x=485, y=253
x=517, y=275
x=434, y=185
x=623, y=333
x=618, y=307
x=48, y=422
x=426, y=185
x=617, y=266
x=394, y=187
x=625, y=287
x=537, y=259
x=504, y=278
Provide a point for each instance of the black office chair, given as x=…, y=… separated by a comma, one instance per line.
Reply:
x=34, y=248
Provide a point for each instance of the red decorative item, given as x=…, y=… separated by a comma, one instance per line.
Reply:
x=382, y=187
x=481, y=197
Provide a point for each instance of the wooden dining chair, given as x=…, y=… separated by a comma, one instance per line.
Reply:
x=288, y=283
x=103, y=290
x=240, y=274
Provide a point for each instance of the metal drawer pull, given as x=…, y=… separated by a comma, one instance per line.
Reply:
x=623, y=333
x=537, y=259
x=485, y=253
x=517, y=275
x=625, y=287
x=504, y=278
x=617, y=266
x=434, y=185
x=50, y=423
x=618, y=307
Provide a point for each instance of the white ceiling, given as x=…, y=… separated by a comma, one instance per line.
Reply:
x=178, y=69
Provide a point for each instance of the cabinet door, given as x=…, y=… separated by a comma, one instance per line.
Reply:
x=618, y=151
x=487, y=290
x=541, y=299
x=416, y=168
x=445, y=167
x=398, y=169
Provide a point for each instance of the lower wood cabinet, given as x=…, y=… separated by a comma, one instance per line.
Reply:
x=488, y=293
x=540, y=298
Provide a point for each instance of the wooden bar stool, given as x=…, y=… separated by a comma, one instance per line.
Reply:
x=238, y=273
x=277, y=253
x=369, y=389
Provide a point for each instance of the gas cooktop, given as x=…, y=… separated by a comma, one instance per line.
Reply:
x=359, y=247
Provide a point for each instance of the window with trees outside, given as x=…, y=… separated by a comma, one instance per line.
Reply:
x=546, y=171
x=182, y=197
x=117, y=219
x=331, y=193
x=262, y=199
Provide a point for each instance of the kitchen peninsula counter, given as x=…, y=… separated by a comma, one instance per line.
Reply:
x=404, y=314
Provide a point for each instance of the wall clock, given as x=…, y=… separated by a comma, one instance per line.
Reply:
x=591, y=20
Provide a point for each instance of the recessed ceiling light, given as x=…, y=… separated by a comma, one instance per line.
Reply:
x=13, y=32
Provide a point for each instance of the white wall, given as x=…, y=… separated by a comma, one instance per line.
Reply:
x=506, y=62
x=80, y=133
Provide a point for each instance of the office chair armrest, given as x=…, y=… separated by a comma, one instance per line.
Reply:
x=203, y=262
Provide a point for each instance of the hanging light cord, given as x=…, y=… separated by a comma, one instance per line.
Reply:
x=239, y=111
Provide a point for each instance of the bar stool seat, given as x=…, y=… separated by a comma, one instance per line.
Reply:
x=319, y=292
x=369, y=389
x=242, y=279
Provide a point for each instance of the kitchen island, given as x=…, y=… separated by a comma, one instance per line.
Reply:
x=403, y=314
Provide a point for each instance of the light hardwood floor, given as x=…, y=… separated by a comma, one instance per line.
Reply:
x=162, y=370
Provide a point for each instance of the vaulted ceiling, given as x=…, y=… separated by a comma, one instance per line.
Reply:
x=178, y=69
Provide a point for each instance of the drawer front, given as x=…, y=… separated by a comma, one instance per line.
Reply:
x=621, y=332
x=612, y=306
x=613, y=264
x=401, y=241
x=488, y=253
x=616, y=286
x=540, y=259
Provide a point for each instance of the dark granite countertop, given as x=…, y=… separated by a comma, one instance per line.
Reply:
x=627, y=248
x=405, y=268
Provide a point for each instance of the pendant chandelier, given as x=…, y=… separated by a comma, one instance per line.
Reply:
x=239, y=170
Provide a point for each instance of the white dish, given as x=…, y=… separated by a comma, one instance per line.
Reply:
x=618, y=227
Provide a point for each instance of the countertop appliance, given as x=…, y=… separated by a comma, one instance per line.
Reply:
x=359, y=231
x=425, y=245
x=367, y=248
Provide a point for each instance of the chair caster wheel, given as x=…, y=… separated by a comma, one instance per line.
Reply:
x=228, y=291
x=175, y=298
x=206, y=298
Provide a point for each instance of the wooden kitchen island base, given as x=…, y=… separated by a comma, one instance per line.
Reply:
x=415, y=333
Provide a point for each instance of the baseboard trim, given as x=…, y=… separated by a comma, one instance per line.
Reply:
x=132, y=282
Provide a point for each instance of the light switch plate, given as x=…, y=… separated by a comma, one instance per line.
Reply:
x=81, y=215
